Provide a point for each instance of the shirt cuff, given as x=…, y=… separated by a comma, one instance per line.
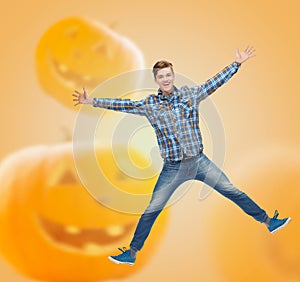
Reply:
x=95, y=102
x=236, y=64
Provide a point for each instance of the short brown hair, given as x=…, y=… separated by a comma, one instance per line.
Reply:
x=161, y=65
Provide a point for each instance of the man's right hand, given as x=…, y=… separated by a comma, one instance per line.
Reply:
x=82, y=98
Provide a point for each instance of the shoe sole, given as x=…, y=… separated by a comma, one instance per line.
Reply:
x=281, y=226
x=120, y=262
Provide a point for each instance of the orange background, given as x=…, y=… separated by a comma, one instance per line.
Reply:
x=259, y=106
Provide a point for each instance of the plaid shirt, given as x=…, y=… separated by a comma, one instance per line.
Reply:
x=175, y=119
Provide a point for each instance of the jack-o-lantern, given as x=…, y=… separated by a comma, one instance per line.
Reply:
x=53, y=230
x=244, y=250
x=77, y=52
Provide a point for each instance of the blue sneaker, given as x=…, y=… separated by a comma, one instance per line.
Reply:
x=123, y=258
x=276, y=224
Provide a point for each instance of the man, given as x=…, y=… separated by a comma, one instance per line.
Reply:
x=174, y=115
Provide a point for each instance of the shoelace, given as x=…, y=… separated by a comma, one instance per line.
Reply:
x=276, y=213
x=123, y=249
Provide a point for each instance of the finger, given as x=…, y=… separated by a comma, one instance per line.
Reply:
x=75, y=100
x=76, y=104
x=84, y=92
x=75, y=95
x=251, y=53
x=251, y=50
x=78, y=92
x=237, y=52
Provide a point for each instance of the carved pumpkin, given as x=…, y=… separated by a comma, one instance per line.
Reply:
x=76, y=52
x=52, y=229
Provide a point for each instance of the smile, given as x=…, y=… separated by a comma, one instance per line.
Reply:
x=71, y=78
x=93, y=241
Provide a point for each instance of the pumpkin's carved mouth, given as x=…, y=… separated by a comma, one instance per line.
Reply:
x=93, y=241
x=69, y=77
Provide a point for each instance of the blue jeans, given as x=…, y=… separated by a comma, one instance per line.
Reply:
x=173, y=175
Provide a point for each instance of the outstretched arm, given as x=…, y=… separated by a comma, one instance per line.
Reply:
x=116, y=104
x=211, y=85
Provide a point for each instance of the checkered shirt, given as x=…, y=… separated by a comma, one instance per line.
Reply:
x=175, y=118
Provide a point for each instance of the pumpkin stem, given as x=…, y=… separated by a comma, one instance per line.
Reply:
x=67, y=134
x=113, y=24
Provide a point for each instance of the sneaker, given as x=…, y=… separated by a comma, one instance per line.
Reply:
x=276, y=224
x=123, y=258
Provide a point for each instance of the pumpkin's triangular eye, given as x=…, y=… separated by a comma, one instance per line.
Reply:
x=102, y=48
x=62, y=174
x=67, y=177
x=71, y=32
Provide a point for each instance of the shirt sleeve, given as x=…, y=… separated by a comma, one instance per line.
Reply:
x=121, y=105
x=211, y=85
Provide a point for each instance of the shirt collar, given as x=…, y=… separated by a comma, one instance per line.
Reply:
x=163, y=96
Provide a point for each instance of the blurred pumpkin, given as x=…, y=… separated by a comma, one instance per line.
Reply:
x=50, y=227
x=76, y=52
x=244, y=250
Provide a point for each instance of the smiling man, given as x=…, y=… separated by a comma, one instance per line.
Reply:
x=165, y=77
x=174, y=114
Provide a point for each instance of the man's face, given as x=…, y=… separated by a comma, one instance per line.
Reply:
x=165, y=79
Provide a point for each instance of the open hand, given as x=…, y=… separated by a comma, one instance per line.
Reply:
x=82, y=98
x=245, y=55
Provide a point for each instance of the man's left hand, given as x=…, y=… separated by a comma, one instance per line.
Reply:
x=245, y=55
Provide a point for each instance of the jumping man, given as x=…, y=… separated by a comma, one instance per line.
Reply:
x=174, y=114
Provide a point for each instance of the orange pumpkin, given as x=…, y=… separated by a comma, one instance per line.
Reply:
x=75, y=52
x=52, y=229
x=244, y=250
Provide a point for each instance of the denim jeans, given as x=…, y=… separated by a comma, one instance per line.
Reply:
x=173, y=175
